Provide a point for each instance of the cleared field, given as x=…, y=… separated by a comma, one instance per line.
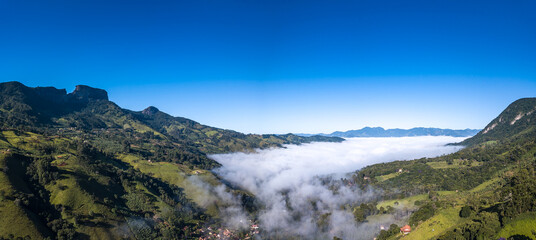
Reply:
x=487, y=184
x=387, y=176
x=13, y=219
x=457, y=163
x=437, y=225
x=179, y=175
x=408, y=202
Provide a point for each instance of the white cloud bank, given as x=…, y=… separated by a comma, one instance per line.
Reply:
x=284, y=179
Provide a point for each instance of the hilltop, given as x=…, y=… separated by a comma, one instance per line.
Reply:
x=516, y=121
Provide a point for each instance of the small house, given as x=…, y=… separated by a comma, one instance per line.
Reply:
x=405, y=229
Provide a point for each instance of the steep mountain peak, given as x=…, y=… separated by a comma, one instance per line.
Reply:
x=150, y=111
x=517, y=118
x=517, y=112
x=85, y=93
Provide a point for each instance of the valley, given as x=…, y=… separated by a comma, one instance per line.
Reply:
x=77, y=166
x=267, y=120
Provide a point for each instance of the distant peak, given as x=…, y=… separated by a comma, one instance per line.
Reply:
x=83, y=92
x=150, y=111
x=375, y=128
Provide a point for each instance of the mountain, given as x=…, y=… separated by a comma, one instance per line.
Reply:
x=487, y=190
x=517, y=120
x=88, y=108
x=380, y=132
x=78, y=166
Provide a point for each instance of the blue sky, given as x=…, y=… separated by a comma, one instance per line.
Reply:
x=282, y=66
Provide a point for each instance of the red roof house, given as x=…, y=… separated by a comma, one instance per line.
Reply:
x=405, y=229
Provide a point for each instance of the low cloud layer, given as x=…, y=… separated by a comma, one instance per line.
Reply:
x=286, y=182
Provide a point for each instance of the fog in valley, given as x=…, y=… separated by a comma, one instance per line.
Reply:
x=290, y=183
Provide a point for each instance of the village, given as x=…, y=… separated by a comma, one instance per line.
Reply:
x=210, y=233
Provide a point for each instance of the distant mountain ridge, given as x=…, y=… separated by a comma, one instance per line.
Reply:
x=413, y=132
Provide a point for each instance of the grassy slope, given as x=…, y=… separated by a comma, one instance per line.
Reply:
x=69, y=192
x=66, y=192
x=437, y=225
x=13, y=219
x=387, y=176
x=73, y=190
x=524, y=224
x=177, y=174
x=408, y=202
x=457, y=163
x=447, y=218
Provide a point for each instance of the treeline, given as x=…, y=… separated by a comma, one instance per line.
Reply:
x=478, y=164
x=517, y=197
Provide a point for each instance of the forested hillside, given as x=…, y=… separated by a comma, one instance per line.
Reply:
x=517, y=120
x=484, y=191
x=77, y=166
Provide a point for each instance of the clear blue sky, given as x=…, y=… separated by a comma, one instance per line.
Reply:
x=282, y=66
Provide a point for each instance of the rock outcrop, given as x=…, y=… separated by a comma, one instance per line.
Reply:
x=86, y=93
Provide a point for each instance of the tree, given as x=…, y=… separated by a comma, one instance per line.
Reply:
x=453, y=235
x=465, y=212
x=433, y=195
x=425, y=212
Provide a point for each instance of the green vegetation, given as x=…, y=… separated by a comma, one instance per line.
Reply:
x=14, y=219
x=387, y=176
x=453, y=163
x=516, y=120
x=386, y=234
x=422, y=214
x=524, y=224
x=484, y=191
x=465, y=212
x=408, y=202
x=72, y=190
x=77, y=166
x=437, y=225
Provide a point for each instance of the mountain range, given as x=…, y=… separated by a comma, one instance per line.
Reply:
x=381, y=132
x=77, y=166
